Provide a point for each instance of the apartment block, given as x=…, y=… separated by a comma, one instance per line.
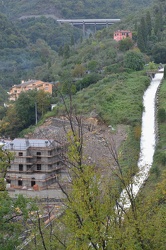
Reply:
x=16, y=90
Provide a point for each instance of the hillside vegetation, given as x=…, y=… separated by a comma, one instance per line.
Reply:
x=99, y=77
x=71, y=9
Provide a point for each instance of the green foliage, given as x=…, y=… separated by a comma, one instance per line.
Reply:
x=165, y=72
x=117, y=99
x=134, y=60
x=10, y=37
x=148, y=23
x=25, y=106
x=22, y=114
x=144, y=30
x=14, y=214
x=78, y=71
x=162, y=115
x=159, y=52
x=87, y=80
x=79, y=9
x=125, y=44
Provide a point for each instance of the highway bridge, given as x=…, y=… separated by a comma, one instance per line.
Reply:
x=84, y=22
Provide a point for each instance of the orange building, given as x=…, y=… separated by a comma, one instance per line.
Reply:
x=29, y=85
x=121, y=34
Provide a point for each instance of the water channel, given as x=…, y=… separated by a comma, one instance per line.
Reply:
x=148, y=139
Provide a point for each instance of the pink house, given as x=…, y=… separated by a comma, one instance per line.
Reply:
x=121, y=34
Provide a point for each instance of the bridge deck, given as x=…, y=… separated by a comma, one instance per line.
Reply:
x=88, y=21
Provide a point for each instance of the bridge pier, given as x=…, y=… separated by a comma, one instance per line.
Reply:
x=83, y=28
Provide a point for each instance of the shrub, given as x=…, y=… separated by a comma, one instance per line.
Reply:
x=134, y=60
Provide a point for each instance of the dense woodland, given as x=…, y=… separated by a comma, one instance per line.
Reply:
x=102, y=76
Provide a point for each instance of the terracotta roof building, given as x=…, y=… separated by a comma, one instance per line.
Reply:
x=121, y=34
x=29, y=85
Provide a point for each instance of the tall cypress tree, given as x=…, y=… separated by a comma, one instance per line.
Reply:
x=148, y=23
x=158, y=25
x=144, y=30
x=140, y=39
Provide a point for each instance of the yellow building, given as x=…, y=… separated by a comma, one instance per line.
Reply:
x=29, y=85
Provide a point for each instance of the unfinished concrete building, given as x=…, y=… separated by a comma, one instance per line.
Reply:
x=37, y=163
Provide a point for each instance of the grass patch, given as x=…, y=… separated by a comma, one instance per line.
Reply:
x=117, y=99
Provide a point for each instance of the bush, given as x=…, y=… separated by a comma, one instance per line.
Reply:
x=134, y=60
x=87, y=80
x=162, y=115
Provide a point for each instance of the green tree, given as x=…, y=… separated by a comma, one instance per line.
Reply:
x=162, y=115
x=158, y=25
x=9, y=228
x=43, y=100
x=165, y=72
x=134, y=60
x=142, y=35
x=78, y=71
x=27, y=103
x=66, y=51
x=159, y=52
x=148, y=23
x=5, y=159
x=11, y=124
x=125, y=44
x=25, y=107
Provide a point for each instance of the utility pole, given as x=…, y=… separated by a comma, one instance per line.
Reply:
x=36, y=111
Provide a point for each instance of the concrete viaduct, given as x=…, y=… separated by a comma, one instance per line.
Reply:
x=84, y=22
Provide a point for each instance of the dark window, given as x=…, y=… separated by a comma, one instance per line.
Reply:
x=19, y=181
x=38, y=166
x=38, y=155
x=58, y=163
x=8, y=179
x=20, y=153
x=33, y=182
x=58, y=149
x=20, y=167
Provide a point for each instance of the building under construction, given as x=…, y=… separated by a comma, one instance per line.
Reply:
x=37, y=163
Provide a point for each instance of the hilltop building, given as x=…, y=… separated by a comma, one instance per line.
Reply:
x=121, y=34
x=29, y=85
x=37, y=163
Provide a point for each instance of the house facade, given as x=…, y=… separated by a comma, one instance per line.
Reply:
x=121, y=34
x=15, y=91
x=37, y=162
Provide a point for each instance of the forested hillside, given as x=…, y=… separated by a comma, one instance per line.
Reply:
x=27, y=44
x=97, y=77
x=72, y=9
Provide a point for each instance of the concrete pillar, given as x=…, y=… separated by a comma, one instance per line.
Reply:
x=83, y=26
x=95, y=27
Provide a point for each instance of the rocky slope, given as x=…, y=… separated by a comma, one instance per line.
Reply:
x=98, y=139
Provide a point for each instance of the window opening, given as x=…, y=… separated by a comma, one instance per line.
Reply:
x=19, y=181
x=20, y=167
x=38, y=166
x=33, y=182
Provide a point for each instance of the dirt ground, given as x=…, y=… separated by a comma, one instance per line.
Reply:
x=98, y=138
